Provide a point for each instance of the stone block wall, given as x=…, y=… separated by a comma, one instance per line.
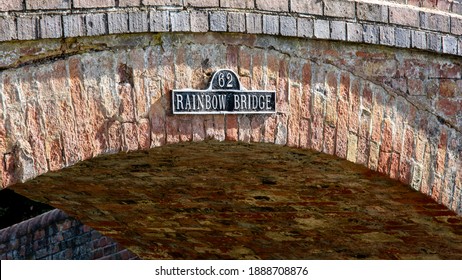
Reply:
x=375, y=82
x=56, y=236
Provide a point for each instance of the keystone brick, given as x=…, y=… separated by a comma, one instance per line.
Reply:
x=313, y=7
x=371, y=34
x=218, y=21
x=321, y=29
x=372, y=12
x=254, y=23
x=434, y=42
x=288, y=26
x=273, y=5
x=180, y=21
x=343, y=9
x=199, y=21
x=270, y=24
x=403, y=16
x=449, y=44
x=7, y=29
x=240, y=4
x=338, y=30
x=51, y=27
x=74, y=25
x=11, y=5
x=456, y=26
x=418, y=39
x=117, y=22
x=202, y=3
x=403, y=37
x=93, y=3
x=160, y=21
x=236, y=22
x=27, y=28
x=305, y=27
x=387, y=35
x=354, y=32
x=47, y=4
x=138, y=21
x=435, y=22
x=96, y=24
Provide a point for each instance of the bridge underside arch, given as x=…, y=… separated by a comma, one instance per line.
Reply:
x=388, y=109
x=235, y=200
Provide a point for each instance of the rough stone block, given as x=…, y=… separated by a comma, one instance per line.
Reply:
x=288, y=26
x=47, y=4
x=7, y=29
x=159, y=21
x=459, y=48
x=313, y=7
x=95, y=24
x=434, y=42
x=129, y=3
x=387, y=35
x=418, y=39
x=93, y=3
x=337, y=8
x=218, y=21
x=402, y=38
x=117, y=23
x=354, y=32
x=163, y=2
x=199, y=21
x=372, y=12
x=371, y=34
x=27, y=28
x=180, y=22
x=305, y=27
x=321, y=29
x=273, y=5
x=51, y=27
x=338, y=30
x=138, y=21
x=456, y=26
x=449, y=44
x=457, y=9
x=435, y=22
x=202, y=3
x=404, y=16
x=239, y=4
x=74, y=25
x=254, y=23
x=270, y=24
x=11, y=5
x=236, y=22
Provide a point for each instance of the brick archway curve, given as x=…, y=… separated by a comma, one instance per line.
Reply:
x=389, y=108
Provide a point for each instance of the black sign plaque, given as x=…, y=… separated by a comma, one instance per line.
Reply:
x=225, y=95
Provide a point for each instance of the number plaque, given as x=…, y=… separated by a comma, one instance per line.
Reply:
x=225, y=95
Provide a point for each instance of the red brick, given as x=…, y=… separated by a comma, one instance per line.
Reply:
x=405, y=171
x=317, y=124
x=257, y=70
x=114, y=136
x=304, y=133
x=93, y=3
x=415, y=87
x=9, y=168
x=441, y=153
x=329, y=139
x=384, y=162
x=172, y=130
x=353, y=119
x=342, y=129
x=394, y=165
x=294, y=116
x=36, y=139
x=448, y=88
x=185, y=128
x=257, y=125
x=198, y=129
x=427, y=162
x=144, y=134
x=448, y=106
x=305, y=110
x=158, y=127
x=408, y=145
x=69, y=134
x=331, y=102
x=244, y=129
x=269, y=130
x=219, y=127
x=436, y=189
x=135, y=59
x=231, y=128
x=282, y=87
x=126, y=109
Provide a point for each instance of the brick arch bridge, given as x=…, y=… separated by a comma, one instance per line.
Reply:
x=377, y=83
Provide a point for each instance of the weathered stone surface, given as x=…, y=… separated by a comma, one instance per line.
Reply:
x=138, y=21
x=95, y=24
x=321, y=29
x=254, y=23
x=7, y=29
x=272, y=5
x=180, y=21
x=306, y=7
x=93, y=3
x=11, y=5
x=338, y=8
x=236, y=22
x=270, y=24
x=200, y=22
x=117, y=23
x=305, y=28
x=218, y=21
x=338, y=30
x=159, y=21
x=27, y=28
x=372, y=12
x=47, y=4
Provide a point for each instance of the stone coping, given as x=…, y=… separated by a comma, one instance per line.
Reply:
x=371, y=22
